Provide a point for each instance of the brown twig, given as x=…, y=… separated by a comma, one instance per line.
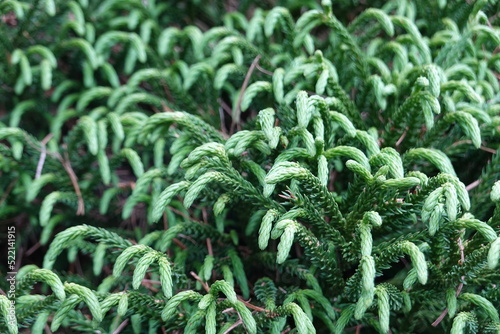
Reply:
x=198, y=278
x=209, y=247
x=487, y=149
x=233, y=326
x=225, y=106
x=230, y=309
x=468, y=141
x=460, y=286
x=204, y=214
x=121, y=327
x=41, y=162
x=179, y=243
x=33, y=248
x=236, y=113
x=253, y=307
x=43, y=155
x=473, y=185
x=223, y=122
x=187, y=237
x=440, y=318
x=74, y=181
x=180, y=213
x=165, y=221
x=264, y=70
x=400, y=140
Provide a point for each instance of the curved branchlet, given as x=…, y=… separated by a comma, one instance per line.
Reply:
x=64, y=240
x=311, y=186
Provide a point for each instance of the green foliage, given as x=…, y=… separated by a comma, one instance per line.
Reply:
x=251, y=167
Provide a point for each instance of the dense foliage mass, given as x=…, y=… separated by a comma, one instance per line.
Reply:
x=250, y=167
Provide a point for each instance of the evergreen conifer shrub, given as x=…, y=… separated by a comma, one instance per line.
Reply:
x=258, y=167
